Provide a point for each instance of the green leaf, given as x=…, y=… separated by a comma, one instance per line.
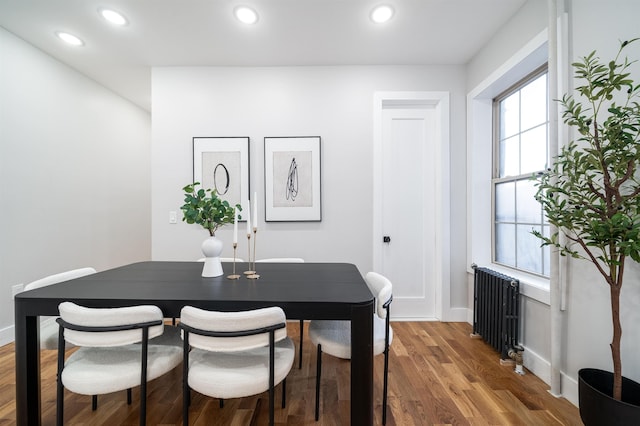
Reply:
x=591, y=192
x=204, y=207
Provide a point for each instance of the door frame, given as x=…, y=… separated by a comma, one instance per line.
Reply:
x=439, y=101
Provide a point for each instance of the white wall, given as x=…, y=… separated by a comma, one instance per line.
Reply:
x=523, y=26
x=586, y=321
x=74, y=172
x=335, y=103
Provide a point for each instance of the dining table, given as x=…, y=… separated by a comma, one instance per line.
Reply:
x=305, y=291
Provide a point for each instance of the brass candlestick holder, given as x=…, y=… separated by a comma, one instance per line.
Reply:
x=255, y=275
x=250, y=272
x=234, y=276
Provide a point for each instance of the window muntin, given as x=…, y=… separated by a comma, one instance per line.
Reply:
x=521, y=149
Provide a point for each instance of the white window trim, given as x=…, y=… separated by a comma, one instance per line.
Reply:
x=479, y=162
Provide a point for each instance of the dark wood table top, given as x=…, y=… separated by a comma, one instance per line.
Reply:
x=299, y=288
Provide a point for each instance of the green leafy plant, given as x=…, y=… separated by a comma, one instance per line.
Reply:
x=205, y=208
x=592, y=191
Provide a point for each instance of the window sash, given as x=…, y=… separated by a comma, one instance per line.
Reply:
x=518, y=251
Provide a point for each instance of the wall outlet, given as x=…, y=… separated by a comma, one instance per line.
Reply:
x=18, y=288
x=173, y=217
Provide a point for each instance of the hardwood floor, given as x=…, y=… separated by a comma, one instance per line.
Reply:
x=438, y=375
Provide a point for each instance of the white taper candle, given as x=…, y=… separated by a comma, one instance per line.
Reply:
x=255, y=210
x=248, y=217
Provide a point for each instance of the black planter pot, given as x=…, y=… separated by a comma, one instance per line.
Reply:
x=597, y=406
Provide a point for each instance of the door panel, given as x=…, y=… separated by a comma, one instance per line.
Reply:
x=408, y=209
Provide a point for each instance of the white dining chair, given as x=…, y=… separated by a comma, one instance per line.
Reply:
x=235, y=354
x=48, y=326
x=119, y=348
x=333, y=337
x=281, y=260
x=224, y=259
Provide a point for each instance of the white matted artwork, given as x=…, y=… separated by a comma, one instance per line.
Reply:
x=222, y=163
x=292, y=179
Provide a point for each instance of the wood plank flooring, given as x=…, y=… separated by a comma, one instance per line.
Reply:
x=438, y=375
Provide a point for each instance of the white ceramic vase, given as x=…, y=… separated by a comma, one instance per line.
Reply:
x=212, y=248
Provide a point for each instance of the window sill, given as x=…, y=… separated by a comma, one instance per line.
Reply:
x=536, y=289
x=531, y=286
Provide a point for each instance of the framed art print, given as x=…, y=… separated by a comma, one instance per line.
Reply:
x=292, y=179
x=222, y=163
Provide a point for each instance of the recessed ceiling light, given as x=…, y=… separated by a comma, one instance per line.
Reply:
x=113, y=17
x=69, y=38
x=381, y=14
x=246, y=15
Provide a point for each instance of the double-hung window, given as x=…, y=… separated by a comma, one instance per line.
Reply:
x=520, y=151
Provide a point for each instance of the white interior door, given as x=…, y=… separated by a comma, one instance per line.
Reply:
x=408, y=203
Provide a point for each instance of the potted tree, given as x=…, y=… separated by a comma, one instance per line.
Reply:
x=205, y=208
x=592, y=194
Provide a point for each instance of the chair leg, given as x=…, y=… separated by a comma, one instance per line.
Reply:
x=143, y=404
x=318, y=373
x=129, y=396
x=60, y=404
x=59, y=399
x=59, y=386
x=301, y=336
x=221, y=403
x=94, y=402
x=384, y=390
x=272, y=384
x=186, y=392
x=284, y=393
x=143, y=377
x=271, y=405
x=186, y=402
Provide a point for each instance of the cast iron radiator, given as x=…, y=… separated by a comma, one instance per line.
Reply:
x=495, y=309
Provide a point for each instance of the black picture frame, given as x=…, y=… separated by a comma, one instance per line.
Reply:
x=293, y=179
x=223, y=164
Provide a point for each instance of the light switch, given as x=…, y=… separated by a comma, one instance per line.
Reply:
x=173, y=217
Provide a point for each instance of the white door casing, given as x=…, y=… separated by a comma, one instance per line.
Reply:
x=411, y=201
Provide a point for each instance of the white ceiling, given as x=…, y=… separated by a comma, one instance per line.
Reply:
x=289, y=32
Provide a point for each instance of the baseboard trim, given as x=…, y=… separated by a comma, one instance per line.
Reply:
x=542, y=368
x=7, y=335
x=537, y=365
x=457, y=315
x=416, y=319
x=569, y=388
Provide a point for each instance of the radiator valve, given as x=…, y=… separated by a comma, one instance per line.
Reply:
x=515, y=353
